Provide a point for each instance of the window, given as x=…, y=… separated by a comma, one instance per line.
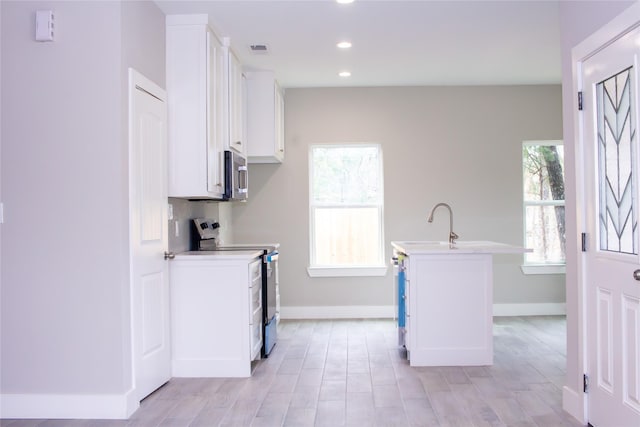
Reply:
x=345, y=208
x=543, y=195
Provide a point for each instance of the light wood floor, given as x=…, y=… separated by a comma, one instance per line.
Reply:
x=350, y=372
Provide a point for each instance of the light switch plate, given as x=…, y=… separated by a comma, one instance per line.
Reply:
x=44, y=25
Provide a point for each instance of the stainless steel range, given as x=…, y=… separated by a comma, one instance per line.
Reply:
x=203, y=238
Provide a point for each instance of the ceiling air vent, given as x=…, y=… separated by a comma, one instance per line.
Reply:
x=259, y=48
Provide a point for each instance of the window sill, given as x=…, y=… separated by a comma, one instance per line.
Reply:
x=347, y=271
x=528, y=269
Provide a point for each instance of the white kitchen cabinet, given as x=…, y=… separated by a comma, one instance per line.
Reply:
x=216, y=313
x=265, y=118
x=197, y=113
x=235, y=94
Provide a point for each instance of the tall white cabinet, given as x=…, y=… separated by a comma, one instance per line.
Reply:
x=195, y=90
x=205, y=104
x=265, y=118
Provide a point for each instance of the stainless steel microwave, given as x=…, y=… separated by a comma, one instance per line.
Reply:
x=236, y=176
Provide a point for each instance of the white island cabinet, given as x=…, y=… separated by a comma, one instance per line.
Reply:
x=216, y=313
x=449, y=301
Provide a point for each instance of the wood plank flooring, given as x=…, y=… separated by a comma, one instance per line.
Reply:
x=351, y=373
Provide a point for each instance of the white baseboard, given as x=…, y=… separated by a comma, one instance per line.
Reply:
x=574, y=403
x=539, y=309
x=389, y=311
x=68, y=406
x=338, y=312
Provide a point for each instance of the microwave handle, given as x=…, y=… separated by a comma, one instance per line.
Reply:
x=243, y=179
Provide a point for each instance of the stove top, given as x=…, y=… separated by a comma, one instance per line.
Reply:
x=243, y=247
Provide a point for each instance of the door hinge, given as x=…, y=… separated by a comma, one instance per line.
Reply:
x=585, y=383
x=579, y=101
x=584, y=242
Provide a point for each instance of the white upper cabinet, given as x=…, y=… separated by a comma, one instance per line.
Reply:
x=235, y=137
x=196, y=104
x=265, y=118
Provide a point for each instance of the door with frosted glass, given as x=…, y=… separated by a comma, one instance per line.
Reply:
x=612, y=273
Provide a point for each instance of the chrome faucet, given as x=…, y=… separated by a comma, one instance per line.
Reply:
x=452, y=236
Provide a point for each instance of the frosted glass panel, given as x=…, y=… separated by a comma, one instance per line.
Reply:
x=616, y=165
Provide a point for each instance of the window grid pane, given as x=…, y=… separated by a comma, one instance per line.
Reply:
x=345, y=174
x=542, y=234
x=346, y=236
x=543, y=172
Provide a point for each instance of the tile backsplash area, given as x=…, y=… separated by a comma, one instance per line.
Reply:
x=184, y=211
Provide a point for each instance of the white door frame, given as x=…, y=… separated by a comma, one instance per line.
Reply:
x=610, y=32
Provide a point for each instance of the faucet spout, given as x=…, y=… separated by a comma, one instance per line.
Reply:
x=452, y=236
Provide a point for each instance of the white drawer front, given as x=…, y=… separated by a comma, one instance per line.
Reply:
x=255, y=303
x=256, y=335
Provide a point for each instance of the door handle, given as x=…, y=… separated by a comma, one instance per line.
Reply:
x=636, y=274
x=169, y=255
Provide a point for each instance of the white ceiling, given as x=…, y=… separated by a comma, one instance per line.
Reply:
x=395, y=42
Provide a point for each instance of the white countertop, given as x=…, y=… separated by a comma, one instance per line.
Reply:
x=219, y=255
x=429, y=247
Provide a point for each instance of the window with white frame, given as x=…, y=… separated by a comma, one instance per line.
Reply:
x=543, y=196
x=346, y=210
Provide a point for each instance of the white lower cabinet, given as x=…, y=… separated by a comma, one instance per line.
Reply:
x=216, y=308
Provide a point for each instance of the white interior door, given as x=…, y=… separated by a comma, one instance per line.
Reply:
x=612, y=260
x=148, y=235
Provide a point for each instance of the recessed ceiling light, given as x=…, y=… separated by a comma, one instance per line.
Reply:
x=344, y=73
x=344, y=45
x=344, y=1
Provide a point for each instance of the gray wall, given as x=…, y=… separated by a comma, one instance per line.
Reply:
x=460, y=145
x=65, y=271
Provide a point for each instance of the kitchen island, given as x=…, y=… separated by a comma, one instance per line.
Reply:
x=446, y=301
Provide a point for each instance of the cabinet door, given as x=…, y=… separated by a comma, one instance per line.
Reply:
x=264, y=118
x=236, y=105
x=279, y=123
x=215, y=114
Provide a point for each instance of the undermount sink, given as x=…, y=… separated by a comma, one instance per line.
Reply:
x=470, y=243
x=462, y=244
x=468, y=246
